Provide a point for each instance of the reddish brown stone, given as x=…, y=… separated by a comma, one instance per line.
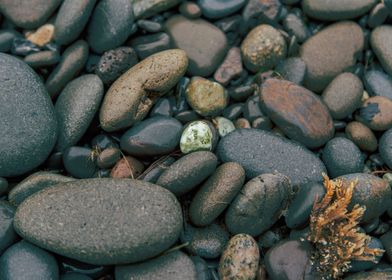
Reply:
x=128, y=167
x=298, y=112
x=231, y=67
x=376, y=113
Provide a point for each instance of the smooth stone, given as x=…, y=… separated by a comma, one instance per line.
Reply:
x=68, y=265
x=3, y=186
x=334, y=10
x=28, y=123
x=302, y=204
x=79, y=162
x=190, y=10
x=28, y=14
x=223, y=125
x=156, y=170
x=42, y=59
x=385, y=147
x=149, y=25
x=8, y=235
x=241, y=93
x=386, y=240
x=148, y=8
x=63, y=219
x=292, y=69
x=378, y=15
x=252, y=109
x=341, y=156
x=26, y=261
x=377, y=83
x=129, y=99
x=380, y=41
x=376, y=113
x=72, y=62
x=71, y=20
x=114, y=63
x=103, y=141
x=6, y=39
x=259, y=205
x=33, y=184
x=205, y=44
x=149, y=44
x=260, y=151
x=295, y=25
x=330, y=52
x=216, y=194
x=188, y=172
x=370, y=191
x=233, y=111
x=263, y=48
x=240, y=260
x=152, y=137
x=165, y=106
x=242, y=123
x=42, y=36
x=260, y=11
x=173, y=266
x=110, y=25
x=108, y=157
x=198, y=136
x=298, y=112
x=127, y=167
x=370, y=275
x=362, y=136
x=343, y=95
x=214, y=9
x=289, y=260
x=231, y=67
x=74, y=276
x=208, y=242
x=76, y=107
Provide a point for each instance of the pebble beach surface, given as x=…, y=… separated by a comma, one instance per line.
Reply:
x=195, y=140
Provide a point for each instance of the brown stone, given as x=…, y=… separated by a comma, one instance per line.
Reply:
x=298, y=112
x=231, y=67
x=376, y=113
x=127, y=167
x=42, y=35
x=362, y=136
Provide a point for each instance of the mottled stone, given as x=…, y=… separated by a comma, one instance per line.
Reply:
x=378, y=83
x=376, y=113
x=198, y=136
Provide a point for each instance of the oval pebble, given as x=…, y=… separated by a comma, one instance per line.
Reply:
x=362, y=136
x=376, y=113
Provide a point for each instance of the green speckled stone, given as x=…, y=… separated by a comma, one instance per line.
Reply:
x=131, y=220
x=198, y=136
x=8, y=235
x=76, y=107
x=148, y=8
x=28, y=124
x=26, y=261
x=35, y=183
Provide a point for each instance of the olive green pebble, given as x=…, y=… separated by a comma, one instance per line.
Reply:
x=198, y=136
x=207, y=98
x=216, y=194
x=362, y=136
x=42, y=59
x=263, y=48
x=8, y=235
x=35, y=183
x=223, y=125
x=188, y=172
x=108, y=157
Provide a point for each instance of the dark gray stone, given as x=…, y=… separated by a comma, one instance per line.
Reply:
x=385, y=147
x=292, y=69
x=79, y=162
x=148, y=8
x=378, y=83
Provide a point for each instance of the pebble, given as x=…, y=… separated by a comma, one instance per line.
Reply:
x=150, y=44
x=263, y=48
x=198, y=136
x=203, y=273
x=362, y=136
x=42, y=59
x=8, y=235
x=173, y=266
x=146, y=9
x=277, y=154
x=63, y=219
x=385, y=147
x=214, y=9
x=378, y=83
x=216, y=194
x=260, y=11
x=376, y=113
x=149, y=25
x=233, y=111
x=28, y=14
x=343, y=95
x=251, y=109
x=156, y=169
x=127, y=167
x=329, y=52
x=127, y=100
x=295, y=25
x=378, y=15
x=298, y=112
x=380, y=40
x=42, y=35
x=23, y=47
x=240, y=260
x=231, y=67
x=292, y=69
x=223, y=125
x=79, y=162
x=208, y=242
x=205, y=44
x=259, y=205
x=341, y=156
x=205, y=97
x=190, y=10
x=108, y=157
x=24, y=106
x=109, y=26
x=152, y=137
x=76, y=107
x=114, y=63
x=35, y=183
x=336, y=10
x=72, y=62
x=6, y=39
x=188, y=172
x=26, y=261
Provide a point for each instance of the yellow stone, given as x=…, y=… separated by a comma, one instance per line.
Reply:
x=42, y=35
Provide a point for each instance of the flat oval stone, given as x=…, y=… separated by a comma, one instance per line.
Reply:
x=298, y=112
x=215, y=9
x=42, y=59
x=110, y=25
x=336, y=9
x=261, y=152
x=173, y=266
x=28, y=123
x=376, y=113
x=28, y=14
x=26, y=261
x=362, y=136
x=8, y=235
x=204, y=43
x=128, y=100
x=152, y=137
x=381, y=40
x=132, y=220
x=330, y=52
x=76, y=107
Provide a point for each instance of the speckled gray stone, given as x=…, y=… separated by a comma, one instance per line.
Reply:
x=76, y=107
x=173, y=266
x=187, y=172
x=34, y=183
x=28, y=124
x=101, y=221
x=261, y=152
x=381, y=40
x=148, y=8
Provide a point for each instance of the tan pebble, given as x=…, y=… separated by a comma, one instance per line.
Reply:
x=42, y=35
x=127, y=167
